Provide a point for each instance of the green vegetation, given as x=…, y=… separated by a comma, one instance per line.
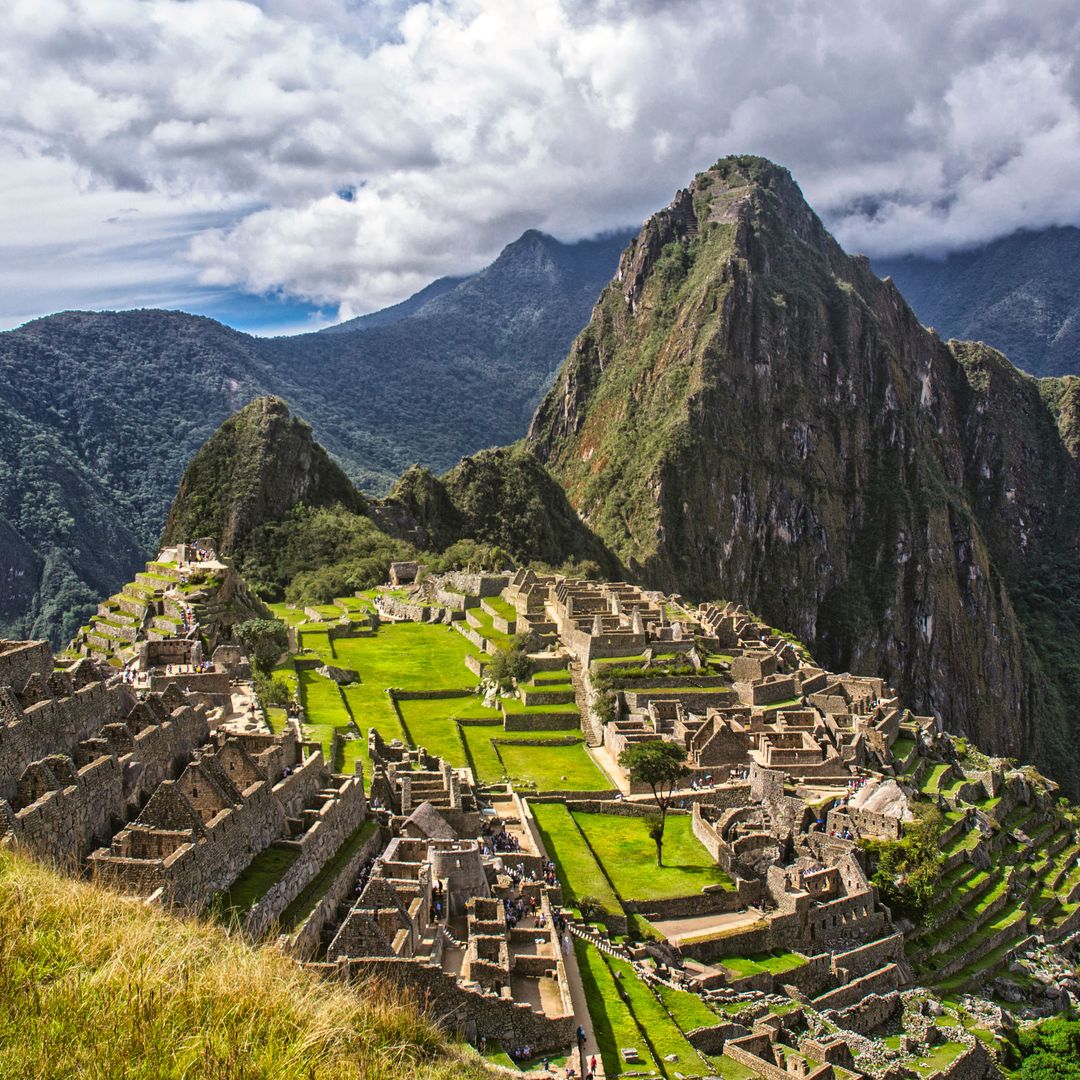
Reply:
x=265, y=640
x=98, y=987
x=313, y=892
x=613, y=1021
x=579, y=872
x=625, y=850
x=266, y=869
x=1048, y=1051
x=661, y=765
x=907, y=870
x=511, y=662
x=664, y=1036
x=776, y=962
x=552, y=768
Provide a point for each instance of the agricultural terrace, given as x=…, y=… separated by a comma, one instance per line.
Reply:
x=431, y=657
x=609, y=859
x=651, y=1019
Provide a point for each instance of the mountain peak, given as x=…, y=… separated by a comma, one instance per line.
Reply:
x=258, y=465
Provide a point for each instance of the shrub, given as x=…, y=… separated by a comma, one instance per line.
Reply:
x=510, y=665
x=907, y=871
x=264, y=639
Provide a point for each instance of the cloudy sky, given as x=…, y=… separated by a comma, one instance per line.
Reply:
x=288, y=162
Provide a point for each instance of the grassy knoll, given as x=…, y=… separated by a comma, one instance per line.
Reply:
x=97, y=987
x=776, y=962
x=552, y=768
x=628, y=855
x=324, y=708
x=688, y=1010
x=579, y=871
x=410, y=656
x=433, y=724
x=613, y=1022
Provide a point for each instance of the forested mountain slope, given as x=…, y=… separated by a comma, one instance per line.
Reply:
x=101, y=412
x=1020, y=293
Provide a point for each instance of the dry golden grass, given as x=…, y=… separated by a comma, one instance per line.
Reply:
x=96, y=986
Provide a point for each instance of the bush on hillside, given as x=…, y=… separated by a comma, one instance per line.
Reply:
x=264, y=639
x=469, y=555
x=907, y=871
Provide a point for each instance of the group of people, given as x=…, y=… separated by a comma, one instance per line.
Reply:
x=200, y=668
x=362, y=877
x=498, y=842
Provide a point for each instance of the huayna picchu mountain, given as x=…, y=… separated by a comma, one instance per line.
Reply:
x=752, y=413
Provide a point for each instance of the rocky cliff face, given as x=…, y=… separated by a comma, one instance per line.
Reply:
x=254, y=469
x=753, y=414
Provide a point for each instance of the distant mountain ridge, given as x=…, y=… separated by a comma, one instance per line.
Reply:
x=100, y=412
x=1019, y=293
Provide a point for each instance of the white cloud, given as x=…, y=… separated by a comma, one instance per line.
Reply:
x=456, y=124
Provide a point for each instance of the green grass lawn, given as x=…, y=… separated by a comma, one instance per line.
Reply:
x=514, y=706
x=688, y=1010
x=553, y=768
x=277, y=718
x=486, y=628
x=324, y=708
x=902, y=747
x=503, y=608
x=613, y=1022
x=266, y=869
x=433, y=724
x=410, y=656
x=776, y=962
x=544, y=678
x=932, y=781
x=663, y=1033
x=937, y=1058
x=628, y=855
x=729, y=1069
x=579, y=871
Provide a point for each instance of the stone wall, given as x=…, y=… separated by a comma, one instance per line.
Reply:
x=746, y=1052
x=465, y=1012
x=303, y=942
x=297, y=790
x=193, y=864
x=480, y=585
x=869, y=957
x=715, y=901
x=53, y=726
x=553, y=721
x=21, y=659
x=335, y=822
x=65, y=824
x=429, y=695
x=877, y=982
x=870, y=1013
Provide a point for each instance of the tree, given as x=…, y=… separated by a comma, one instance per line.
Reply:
x=511, y=664
x=661, y=765
x=264, y=639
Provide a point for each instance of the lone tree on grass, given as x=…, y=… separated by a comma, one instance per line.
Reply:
x=661, y=765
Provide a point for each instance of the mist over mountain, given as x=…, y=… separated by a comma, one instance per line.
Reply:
x=1020, y=294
